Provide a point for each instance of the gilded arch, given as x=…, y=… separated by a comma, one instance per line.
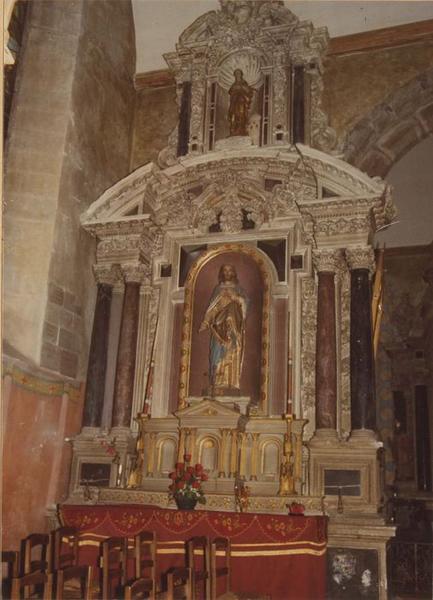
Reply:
x=188, y=316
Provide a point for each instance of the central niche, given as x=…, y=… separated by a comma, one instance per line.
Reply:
x=225, y=327
x=238, y=101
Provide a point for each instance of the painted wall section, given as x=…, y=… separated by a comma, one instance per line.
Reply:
x=37, y=415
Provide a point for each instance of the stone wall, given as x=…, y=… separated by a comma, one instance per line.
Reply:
x=155, y=118
x=356, y=83
x=70, y=138
x=405, y=351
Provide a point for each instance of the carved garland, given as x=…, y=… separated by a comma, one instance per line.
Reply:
x=185, y=354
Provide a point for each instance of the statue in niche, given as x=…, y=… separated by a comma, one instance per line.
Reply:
x=241, y=95
x=225, y=319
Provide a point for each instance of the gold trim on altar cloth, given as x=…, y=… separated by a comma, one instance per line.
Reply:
x=239, y=553
x=188, y=317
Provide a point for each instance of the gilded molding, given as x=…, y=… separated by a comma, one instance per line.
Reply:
x=185, y=352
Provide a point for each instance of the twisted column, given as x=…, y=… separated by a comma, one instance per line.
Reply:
x=327, y=263
x=124, y=384
x=362, y=393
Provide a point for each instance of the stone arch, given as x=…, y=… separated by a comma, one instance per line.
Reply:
x=393, y=127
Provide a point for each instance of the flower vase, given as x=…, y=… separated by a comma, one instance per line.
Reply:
x=185, y=502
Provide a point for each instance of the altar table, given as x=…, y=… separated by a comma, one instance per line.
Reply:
x=276, y=556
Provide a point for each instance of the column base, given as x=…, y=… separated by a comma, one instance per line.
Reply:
x=324, y=436
x=89, y=432
x=121, y=433
x=364, y=436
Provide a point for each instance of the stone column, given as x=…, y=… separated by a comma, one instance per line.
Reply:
x=362, y=393
x=126, y=356
x=327, y=263
x=97, y=365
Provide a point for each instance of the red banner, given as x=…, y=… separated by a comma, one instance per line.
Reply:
x=281, y=557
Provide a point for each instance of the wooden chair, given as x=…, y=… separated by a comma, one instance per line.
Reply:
x=11, y=568
x=139, y=589
x=113, y=566
x=144, y=556
x=199, y=545
x=179, y=584
x=64, y=544
x=219, y=544
x=82, y=575
x=38, y=543
x=33, y=585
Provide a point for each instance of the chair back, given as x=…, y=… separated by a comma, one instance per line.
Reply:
x=34, y=585
x=82, y=574
x=218, y=546
x=179, y=584
x=139, y=589
x=36, y=553
x=144, y=555
x=113, y=565
x=199, y=546
x=11, y=569
x=64, y=543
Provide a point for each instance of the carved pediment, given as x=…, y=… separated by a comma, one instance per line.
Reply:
x=208, y=407
x=209, y=413
x=237, y=18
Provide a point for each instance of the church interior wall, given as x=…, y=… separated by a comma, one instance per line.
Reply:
x=355, y=83
x=70, y=139
x=155, y=118
x=404, y=360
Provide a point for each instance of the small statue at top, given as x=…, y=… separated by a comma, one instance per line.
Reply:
x=241, y=95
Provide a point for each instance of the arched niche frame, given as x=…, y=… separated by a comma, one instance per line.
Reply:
x=256, y=276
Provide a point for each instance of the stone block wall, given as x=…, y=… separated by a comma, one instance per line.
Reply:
x=70, y=139
x=354, y=84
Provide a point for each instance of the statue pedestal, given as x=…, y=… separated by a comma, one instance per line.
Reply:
x=234, y=142
x=237, y=403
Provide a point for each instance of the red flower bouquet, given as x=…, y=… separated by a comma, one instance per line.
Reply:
x=187, y=483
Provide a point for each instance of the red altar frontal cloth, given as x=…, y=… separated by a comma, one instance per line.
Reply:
x=275, y=556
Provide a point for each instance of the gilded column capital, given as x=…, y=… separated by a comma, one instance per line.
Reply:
x=108, y=274
x=329, y=260
x=361, y=258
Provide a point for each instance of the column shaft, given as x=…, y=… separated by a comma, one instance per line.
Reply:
x=124, y=386
x=362, y=393
x=326, y=349
x=94, y=396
